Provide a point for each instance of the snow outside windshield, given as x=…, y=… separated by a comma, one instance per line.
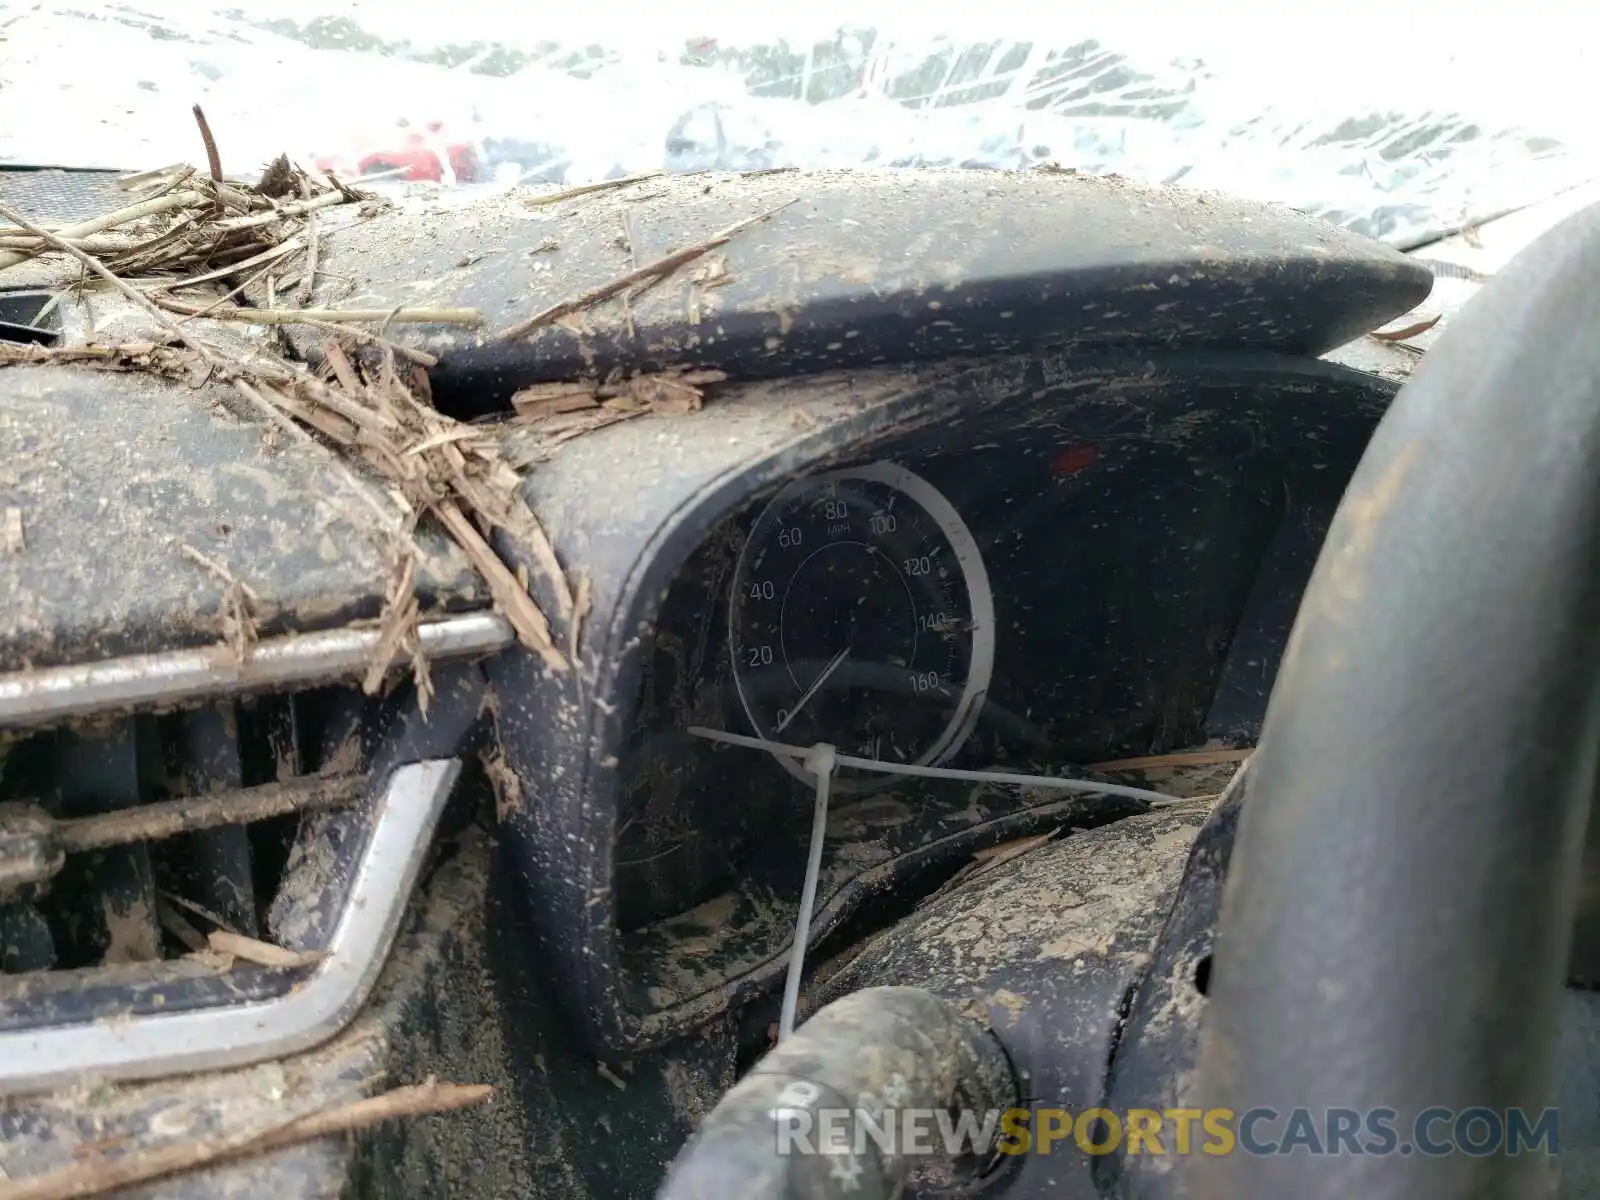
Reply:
x=1396, y=120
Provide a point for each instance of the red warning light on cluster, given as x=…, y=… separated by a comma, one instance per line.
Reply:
x=1074, y=460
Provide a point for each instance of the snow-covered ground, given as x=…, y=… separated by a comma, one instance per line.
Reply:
x=1393, y=119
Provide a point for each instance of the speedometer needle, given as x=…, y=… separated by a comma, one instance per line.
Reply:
x=816, y=686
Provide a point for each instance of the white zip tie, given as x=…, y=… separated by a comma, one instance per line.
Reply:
x=820, y=761
x=1053, y=782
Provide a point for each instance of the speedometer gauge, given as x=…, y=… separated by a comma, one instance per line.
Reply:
x=861, y=616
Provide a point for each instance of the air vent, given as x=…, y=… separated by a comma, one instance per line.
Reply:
x=30, y=318
x=130, y=841
x=215, y=885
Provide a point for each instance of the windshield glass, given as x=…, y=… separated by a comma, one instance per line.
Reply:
x=1397, y=120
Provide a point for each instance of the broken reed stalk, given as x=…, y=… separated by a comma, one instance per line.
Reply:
x=262, y=954
x=298, y=208
x=272, y=254
x=96, y=244
x=334, y=316
x=650, y=271
x=10, y=354
x=122, y=216
x=510, y=596
x=96, y=1176
x=213, y=158
x=231, y=294
x=586, y=189
x=308, y=282
x=421, y=456
x=142, y=179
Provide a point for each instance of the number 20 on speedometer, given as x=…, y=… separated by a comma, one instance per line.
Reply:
x=861, y=616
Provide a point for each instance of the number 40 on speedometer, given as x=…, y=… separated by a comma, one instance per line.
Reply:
x=861, y=616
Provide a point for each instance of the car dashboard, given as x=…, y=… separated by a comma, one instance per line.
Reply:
x=995, y=480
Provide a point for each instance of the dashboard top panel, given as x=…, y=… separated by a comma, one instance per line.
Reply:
x=118, y=477
x=804, y=272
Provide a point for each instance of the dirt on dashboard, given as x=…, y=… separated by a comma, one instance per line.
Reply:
x=186, y=257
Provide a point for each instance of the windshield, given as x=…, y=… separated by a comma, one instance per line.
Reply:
x=1400, y=121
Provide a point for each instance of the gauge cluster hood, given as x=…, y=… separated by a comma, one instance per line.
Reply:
x=625, y=506
x=804, y=272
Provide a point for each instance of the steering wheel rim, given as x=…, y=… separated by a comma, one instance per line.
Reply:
x=1397, y=916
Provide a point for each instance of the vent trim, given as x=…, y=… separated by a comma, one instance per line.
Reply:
x=50, y=695
x=314, y=1002
x=30, y=318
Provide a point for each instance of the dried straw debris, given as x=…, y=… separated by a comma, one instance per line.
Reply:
x=193, y=233
x=371, y=402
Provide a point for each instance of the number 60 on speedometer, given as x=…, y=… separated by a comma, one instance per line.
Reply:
x=861, y=616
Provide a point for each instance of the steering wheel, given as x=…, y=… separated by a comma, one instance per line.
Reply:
x=1398, y=910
